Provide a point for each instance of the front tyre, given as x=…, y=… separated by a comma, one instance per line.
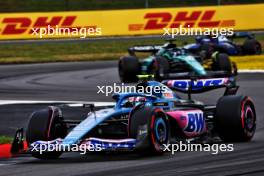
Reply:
x=153, y=125
x=46, y=125
x=235, y=118
x=206, y=51
x=221, y=62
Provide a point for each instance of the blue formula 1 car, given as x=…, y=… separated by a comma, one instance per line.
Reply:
x=206, y=45
x=168, y=58
x=145, y=123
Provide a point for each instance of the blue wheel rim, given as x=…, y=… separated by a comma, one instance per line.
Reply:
x=160, y=130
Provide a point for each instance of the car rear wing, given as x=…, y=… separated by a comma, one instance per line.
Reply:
x=187, y=83
x=144, y=48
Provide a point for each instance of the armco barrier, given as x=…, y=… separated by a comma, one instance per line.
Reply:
x=134, y=22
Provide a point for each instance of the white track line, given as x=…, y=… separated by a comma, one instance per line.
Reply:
x=250, y=71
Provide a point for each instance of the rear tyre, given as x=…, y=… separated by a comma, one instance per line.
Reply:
x=46, y=125
x=251, y=47
x=160, y=67
x=154, y=123
x=128, y=69
x=221, y=62
x=235, y=118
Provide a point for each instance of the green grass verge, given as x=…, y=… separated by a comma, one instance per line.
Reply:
x=5, y=139
x=70, y=51
x=96, y=50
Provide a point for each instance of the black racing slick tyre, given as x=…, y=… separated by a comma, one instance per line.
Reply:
x=221, y=62
x=150, y=126
x=251, y=47
x=160, y=67
x=235, y=118
x=128, y=69
x=46, y=125
x=206, y=51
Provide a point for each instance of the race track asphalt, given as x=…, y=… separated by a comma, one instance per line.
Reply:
x=78, y=82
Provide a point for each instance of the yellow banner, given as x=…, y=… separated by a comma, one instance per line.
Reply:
x=128, y=22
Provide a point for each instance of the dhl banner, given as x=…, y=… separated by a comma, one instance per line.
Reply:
x=133, y=22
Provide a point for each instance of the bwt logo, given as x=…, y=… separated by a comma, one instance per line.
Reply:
x=198, y=18
x=196, y=122
x=197, y=85
x=20, y=25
